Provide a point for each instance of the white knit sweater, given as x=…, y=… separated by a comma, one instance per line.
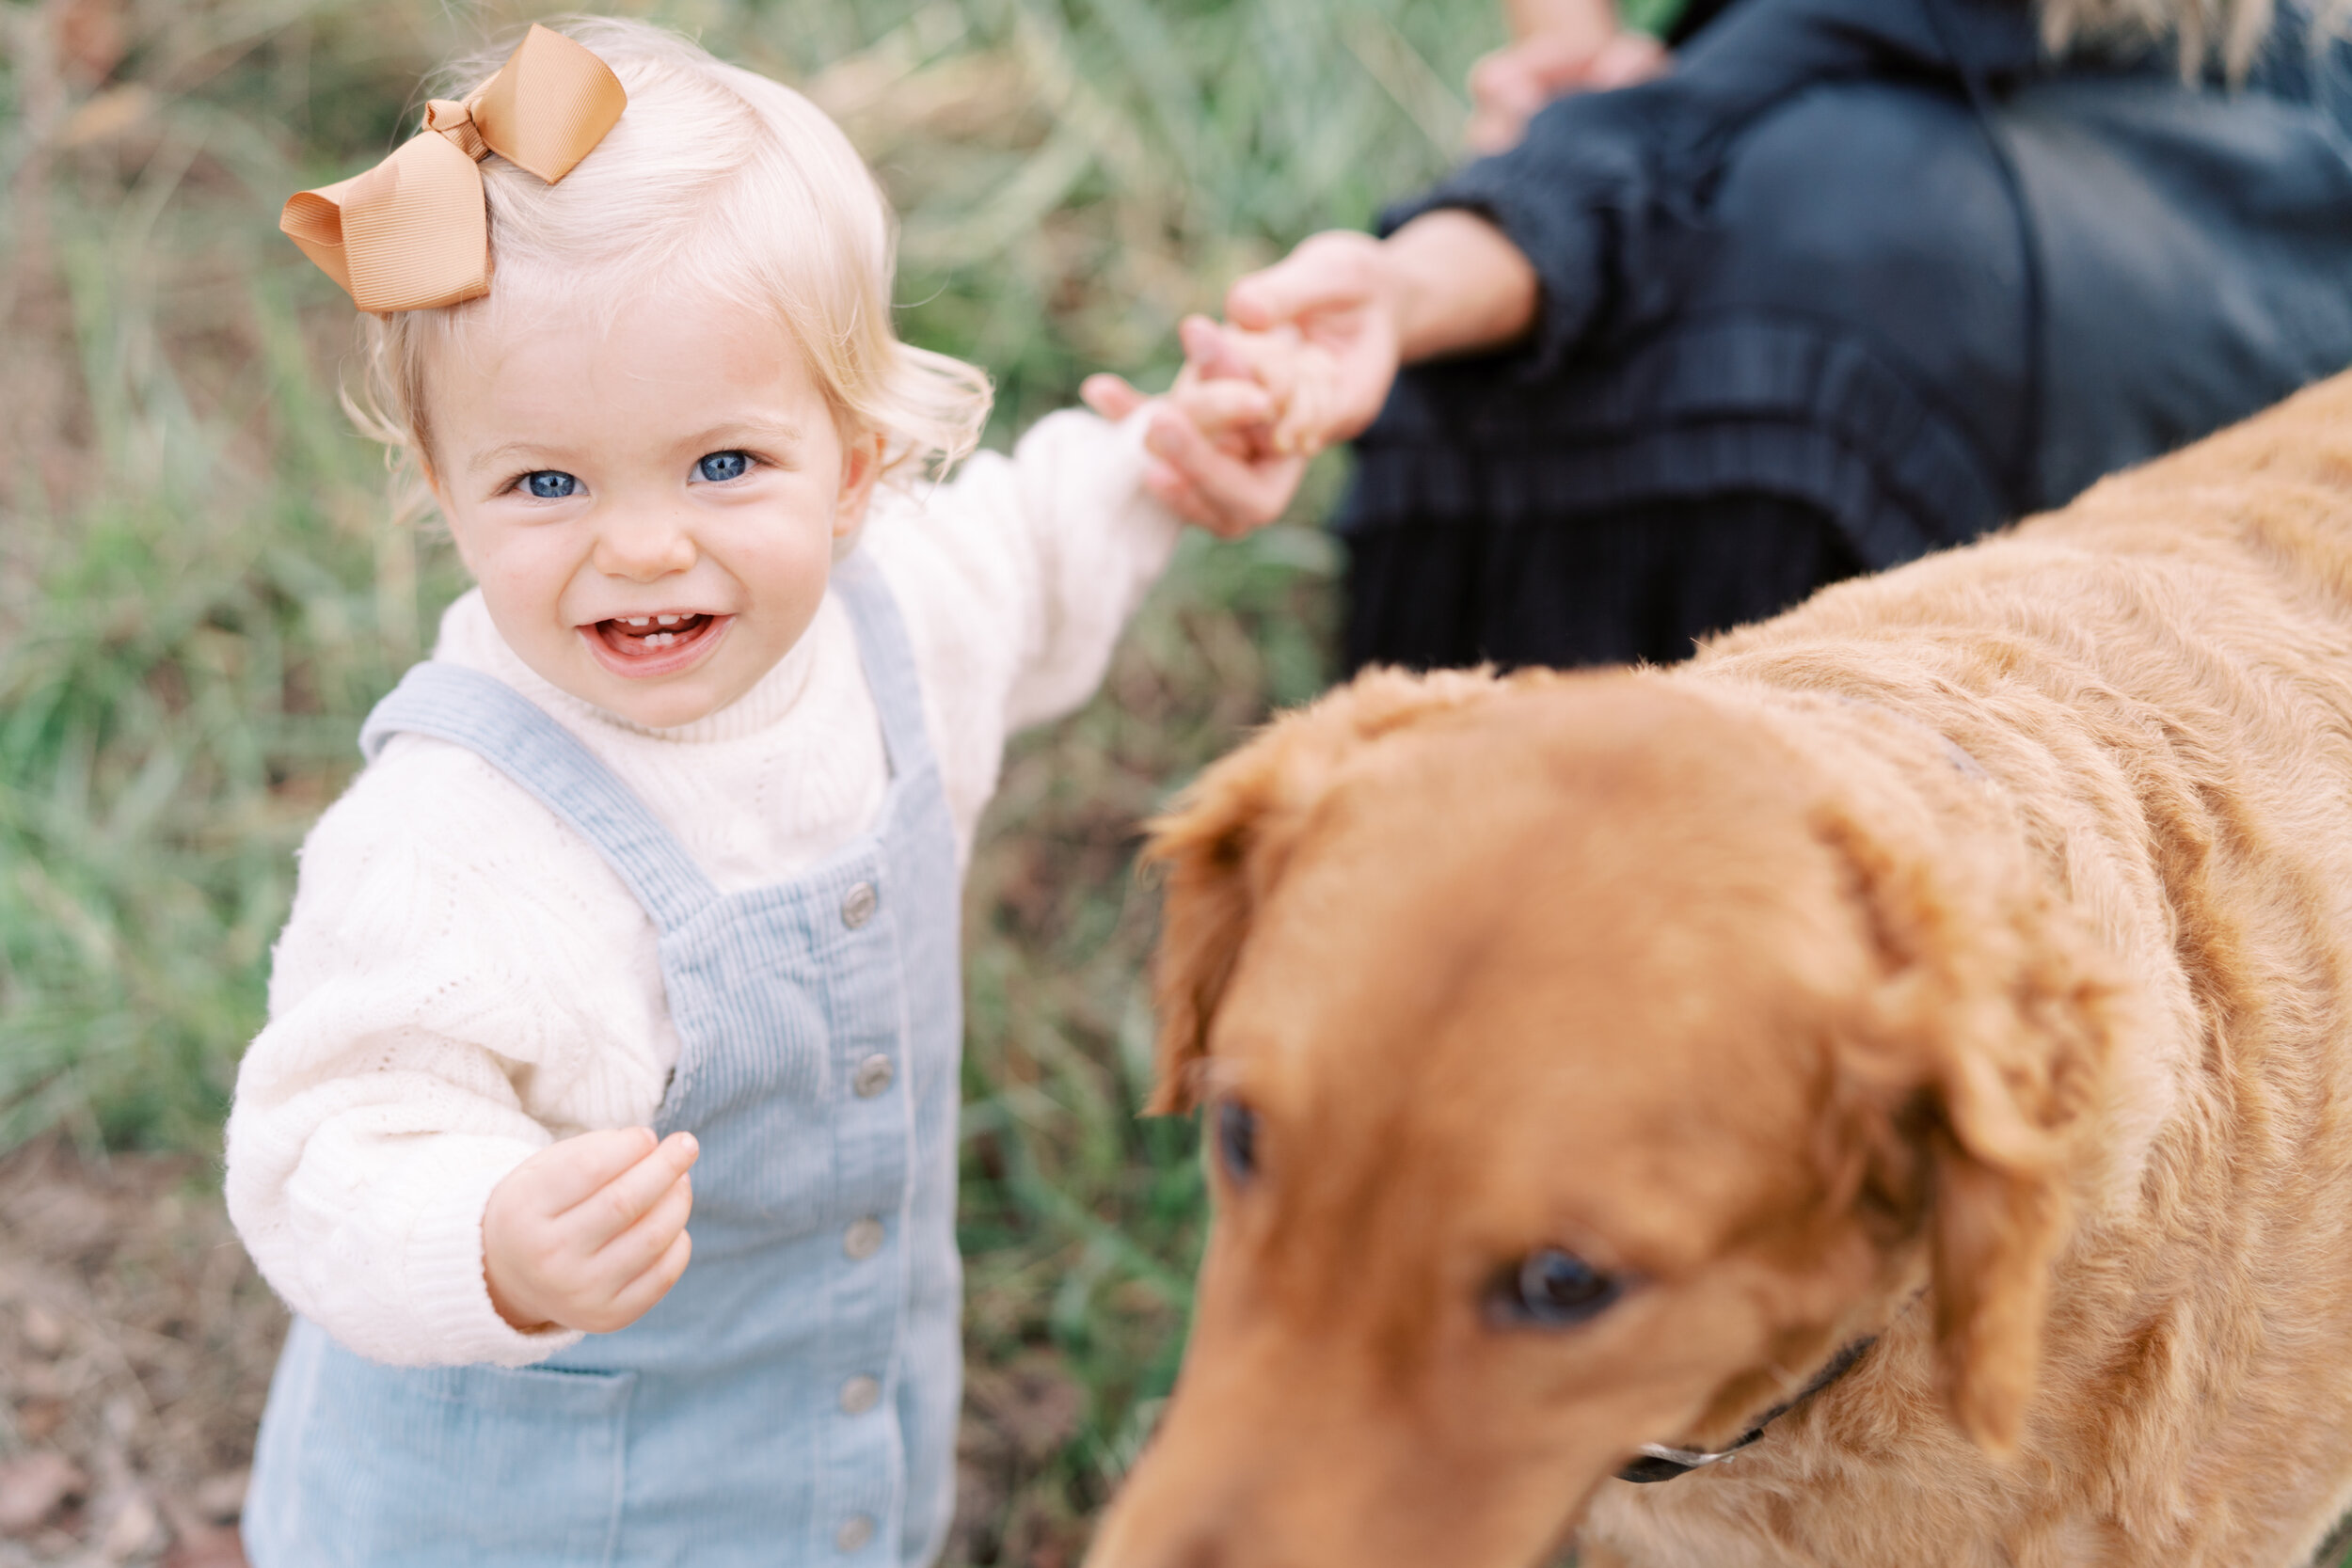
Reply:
x=464, y=980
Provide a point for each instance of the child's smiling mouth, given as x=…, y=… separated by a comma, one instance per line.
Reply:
x=663, y=642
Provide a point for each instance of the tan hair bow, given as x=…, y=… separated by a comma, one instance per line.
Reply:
x=414, y=231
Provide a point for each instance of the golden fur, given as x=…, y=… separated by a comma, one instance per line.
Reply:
x=1964, y=957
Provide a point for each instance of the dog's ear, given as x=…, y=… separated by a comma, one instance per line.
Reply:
x=1963, y=1092
x=1227, y=840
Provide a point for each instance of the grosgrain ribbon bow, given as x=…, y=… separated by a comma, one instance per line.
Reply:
x=414, y=231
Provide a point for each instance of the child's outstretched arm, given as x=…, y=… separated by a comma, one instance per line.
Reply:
x=1017, y=575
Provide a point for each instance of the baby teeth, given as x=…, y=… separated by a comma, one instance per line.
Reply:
x=645, y=639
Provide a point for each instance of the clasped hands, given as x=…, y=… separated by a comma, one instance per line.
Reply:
x=1307, y=353
x=1305, y=359
x=1311, y=345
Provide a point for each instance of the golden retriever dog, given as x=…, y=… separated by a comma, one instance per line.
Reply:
x=1919, y=1031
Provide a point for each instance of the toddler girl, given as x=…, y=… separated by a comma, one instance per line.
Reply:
x=658, y=855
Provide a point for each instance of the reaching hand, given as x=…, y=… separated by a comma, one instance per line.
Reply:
x=1314, y=345
x=1213, y=459
x=590, y=1232
x=1577, y=47
x=1308, y=362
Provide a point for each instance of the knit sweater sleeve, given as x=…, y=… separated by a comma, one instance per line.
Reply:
x=1015, y=580
x=1598, y=191
x=446, y=970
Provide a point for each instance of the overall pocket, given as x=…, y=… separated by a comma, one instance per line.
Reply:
x=363, y=1465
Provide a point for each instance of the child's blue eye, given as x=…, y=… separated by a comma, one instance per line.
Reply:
x=550, y=484
x=720, y=467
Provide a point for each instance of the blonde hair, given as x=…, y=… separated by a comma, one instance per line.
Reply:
x=2232, y=31
x=715, y=179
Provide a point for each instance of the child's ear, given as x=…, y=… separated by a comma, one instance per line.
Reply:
x=860, y=469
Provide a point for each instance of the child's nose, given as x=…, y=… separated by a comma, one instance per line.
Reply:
x=643, y=547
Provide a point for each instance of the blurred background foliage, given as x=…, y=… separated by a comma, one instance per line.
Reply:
x=201, y=590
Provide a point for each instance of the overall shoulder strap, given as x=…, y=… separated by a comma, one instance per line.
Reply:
x=520, y=739
x=888, y=658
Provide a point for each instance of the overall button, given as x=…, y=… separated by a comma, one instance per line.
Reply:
x=855, y=1532
x=862, y=1240
x=873, y=1075
x=859, y=904
x=860, y=1395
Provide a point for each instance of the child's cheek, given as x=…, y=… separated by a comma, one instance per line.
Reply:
x=523, y=573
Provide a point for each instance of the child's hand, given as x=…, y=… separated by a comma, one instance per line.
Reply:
x=1298, y=376
x=1224, y=455
x=590, y=1232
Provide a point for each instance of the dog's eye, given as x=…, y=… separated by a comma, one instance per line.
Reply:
x=1238, y=1140
x=1556, y=1290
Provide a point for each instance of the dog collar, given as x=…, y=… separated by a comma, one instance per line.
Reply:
x=1659, y=1462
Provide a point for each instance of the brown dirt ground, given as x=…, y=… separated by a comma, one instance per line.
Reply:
x=135, y=1343
x=135, y=1348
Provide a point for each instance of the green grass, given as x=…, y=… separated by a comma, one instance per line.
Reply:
x=201, y=590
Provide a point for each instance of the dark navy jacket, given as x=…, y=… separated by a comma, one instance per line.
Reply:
x=1882, y=257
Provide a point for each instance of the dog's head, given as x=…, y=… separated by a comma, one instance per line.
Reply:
x=1582, y=1064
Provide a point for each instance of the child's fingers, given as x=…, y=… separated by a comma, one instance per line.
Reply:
x=1217, y=406
x=1225, y=495
x=1305, y=426
x=1298, y=430
x=1216, y=353
x=1207, y=350
x=1213, y=351
x=563, y=1175
x=1175, y=492
x=636, y=1249
x=1110, y=396
x=1178, y=493
x=628, y=1197
x=1193, y=502
x=637, y=1298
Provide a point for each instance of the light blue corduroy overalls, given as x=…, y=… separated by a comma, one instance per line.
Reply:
x=793, y=1400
